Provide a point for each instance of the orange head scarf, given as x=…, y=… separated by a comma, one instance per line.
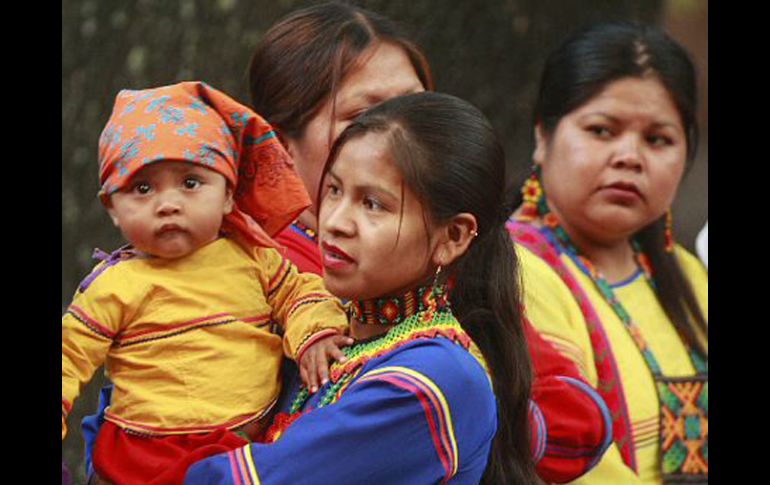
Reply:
x=193, y=122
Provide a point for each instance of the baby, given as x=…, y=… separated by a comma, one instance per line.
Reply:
x=193, y=317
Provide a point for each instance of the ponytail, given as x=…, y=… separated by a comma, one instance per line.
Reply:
x=486, y=302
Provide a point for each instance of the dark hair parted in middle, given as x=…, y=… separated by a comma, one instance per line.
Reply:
x=303, y=59
x=585, y=64
x=594, y=57
x=452, y=160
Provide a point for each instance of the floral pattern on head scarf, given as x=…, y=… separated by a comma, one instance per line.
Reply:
x=193, y=122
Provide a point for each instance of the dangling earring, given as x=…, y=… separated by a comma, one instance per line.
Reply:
x=435, y=278
x=435, y=291
x=532, y=193
x=668, y=232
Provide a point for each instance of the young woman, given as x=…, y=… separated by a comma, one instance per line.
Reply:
x=435, y=389
x=615, y=128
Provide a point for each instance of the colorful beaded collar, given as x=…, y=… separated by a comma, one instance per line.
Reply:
x=396, y=309
x=432, y=318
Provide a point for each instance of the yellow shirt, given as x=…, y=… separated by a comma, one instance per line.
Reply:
x=190, y=343
x=554, y=312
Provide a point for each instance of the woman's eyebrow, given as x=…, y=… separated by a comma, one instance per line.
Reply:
x=333, y=175
x=614, y=119
x=374, y=97
x=365, y=186
x=600, y=114
x=377, y=189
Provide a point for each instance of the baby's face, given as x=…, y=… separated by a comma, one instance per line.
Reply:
x=169, y=209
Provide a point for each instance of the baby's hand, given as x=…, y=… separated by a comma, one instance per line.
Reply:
x=314, y=362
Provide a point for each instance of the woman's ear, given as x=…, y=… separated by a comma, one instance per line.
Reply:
x=541, y=145
x=454, y=239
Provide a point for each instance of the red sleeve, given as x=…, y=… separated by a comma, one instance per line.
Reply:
x=300, y=250
x=571, y=427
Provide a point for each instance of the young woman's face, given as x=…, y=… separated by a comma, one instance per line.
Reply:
x=387, y=73
x=374, y=239
x=169, y=209
x=613, y=165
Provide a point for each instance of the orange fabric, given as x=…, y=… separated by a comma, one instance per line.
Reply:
x=193, y=122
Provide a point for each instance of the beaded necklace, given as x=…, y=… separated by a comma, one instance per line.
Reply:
x=395, y=309
x=552, y=224
x=427, y=314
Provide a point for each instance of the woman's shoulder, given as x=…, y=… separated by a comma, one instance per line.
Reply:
x=545, y=291
x=690, y=264
x=442, y=363
x=536, y=256
x=536, y=270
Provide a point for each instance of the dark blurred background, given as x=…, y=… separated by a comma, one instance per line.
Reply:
x=489, y=52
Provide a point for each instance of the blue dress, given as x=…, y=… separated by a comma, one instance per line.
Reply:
x=421, y=413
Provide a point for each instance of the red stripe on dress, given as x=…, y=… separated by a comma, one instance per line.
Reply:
x=311, y=339
x=98, y=327
x=242, y=467
x=305, y=299
x=437, y=406
x=437, y=441
x=264, y=318
x=174, y=327
x=191, y=325
x=279, y=274
x=234, y=468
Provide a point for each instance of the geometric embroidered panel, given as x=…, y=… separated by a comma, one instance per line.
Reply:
x=684, y=429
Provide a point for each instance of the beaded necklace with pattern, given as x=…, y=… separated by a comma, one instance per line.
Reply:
x=421, y=313
x=395, y=309
x=551, y=223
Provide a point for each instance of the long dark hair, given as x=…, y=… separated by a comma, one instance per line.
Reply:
x=582, y=67
x=302, y=60
x=452, y=160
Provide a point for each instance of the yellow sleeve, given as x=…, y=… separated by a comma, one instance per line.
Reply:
x=299, y=301
x=89, y=326
x=554, y=313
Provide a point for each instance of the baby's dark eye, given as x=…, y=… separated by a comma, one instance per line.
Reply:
x=142, y=188
x=191, y=183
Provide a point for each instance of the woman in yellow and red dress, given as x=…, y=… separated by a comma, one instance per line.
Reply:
x=604, y=281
